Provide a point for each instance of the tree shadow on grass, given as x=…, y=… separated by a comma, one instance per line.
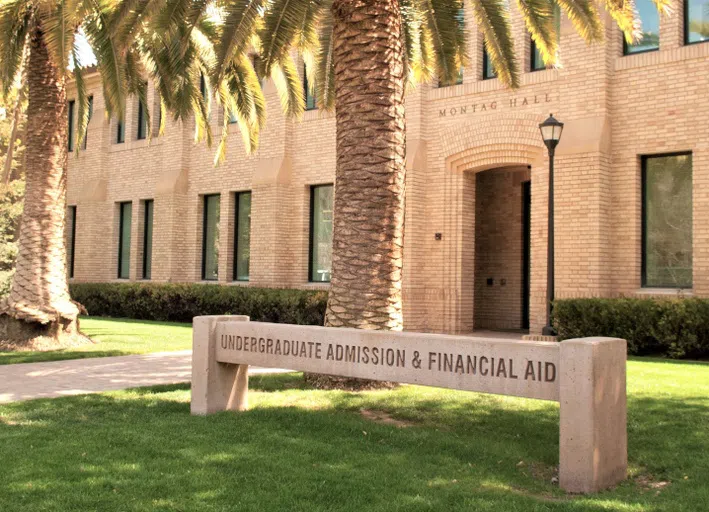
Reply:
x=300, y=449
x=56, y=355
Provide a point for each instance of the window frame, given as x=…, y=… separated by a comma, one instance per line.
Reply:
x=205, y=215
x=532, y=55
x=685, y=26
x=91, y=113
x=120, y=132
x=643, y=220
x=142, y=122
x=306, y=92
x=237, y=199
x=148, y=275
x=486, y=61
x=122, y=205
x=311, y=231
x=72, y=244
x=626, y=47
x=70, y=128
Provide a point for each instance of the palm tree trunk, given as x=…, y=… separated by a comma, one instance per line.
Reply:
x=39, y=303
x=365, y=290
x=368, y=217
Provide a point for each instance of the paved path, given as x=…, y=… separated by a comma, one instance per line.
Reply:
x=79, y=376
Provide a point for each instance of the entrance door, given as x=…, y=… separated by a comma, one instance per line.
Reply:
x=526, y=239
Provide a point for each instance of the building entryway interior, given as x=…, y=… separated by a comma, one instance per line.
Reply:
x=502, y=241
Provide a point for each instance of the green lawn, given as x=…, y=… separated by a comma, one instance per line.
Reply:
x=300, y=449
x=115, y=337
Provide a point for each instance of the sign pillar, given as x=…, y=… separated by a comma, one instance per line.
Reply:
x=593, y=444
x=215, y=386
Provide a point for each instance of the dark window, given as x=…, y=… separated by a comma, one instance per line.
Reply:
x=242, y=236
x=203, y=86
x=126, y=218
x=696, y=21
x=148, y=239
x=71, y=243
x=488, y=68
x=142, y=121
x=309, y=91
x=667, y=221
x=210, y=238
x=321, y=204
x=537, y=63
x=120, y=132
x=91, y=113
x=70, y=130
x=650, y=37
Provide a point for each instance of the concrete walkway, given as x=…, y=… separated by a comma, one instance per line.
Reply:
x=79, y=376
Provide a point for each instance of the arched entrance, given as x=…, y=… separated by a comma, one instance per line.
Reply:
x=497, y=154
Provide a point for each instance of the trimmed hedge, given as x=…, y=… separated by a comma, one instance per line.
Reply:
x=676, y=328
x=182, y=302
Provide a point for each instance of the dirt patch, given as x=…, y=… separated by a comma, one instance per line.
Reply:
x=385, y=418
x=647, y=482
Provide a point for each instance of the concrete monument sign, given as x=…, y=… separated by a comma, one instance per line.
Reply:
x=586, y=376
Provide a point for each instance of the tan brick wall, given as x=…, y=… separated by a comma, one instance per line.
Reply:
x=615, y=109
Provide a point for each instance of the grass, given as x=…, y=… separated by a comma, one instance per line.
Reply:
x=115, y=337
x=305, y=450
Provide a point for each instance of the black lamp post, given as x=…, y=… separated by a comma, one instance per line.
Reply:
x=551, y=133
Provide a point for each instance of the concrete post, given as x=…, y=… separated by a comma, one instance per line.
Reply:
x=593, y=453
x=215, y=386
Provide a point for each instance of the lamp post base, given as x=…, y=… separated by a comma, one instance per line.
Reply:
x=548, y=330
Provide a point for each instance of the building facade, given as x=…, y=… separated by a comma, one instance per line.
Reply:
x=631, y=186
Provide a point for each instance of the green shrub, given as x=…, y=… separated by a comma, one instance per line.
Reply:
x=672, y=327
x=182, y=302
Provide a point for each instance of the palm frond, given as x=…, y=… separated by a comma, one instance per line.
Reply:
x=109, y=56
x=494, y=22
x=539, y=18
x=584, y=17
x=59, y=22
x=283, y=23
x=623, y=12
x=325, y=74
x=243, y=100
x=444, y=23
x=82, y=100
x=290, y=89
x=240, y=22
x=417, y=43
x=15, y=16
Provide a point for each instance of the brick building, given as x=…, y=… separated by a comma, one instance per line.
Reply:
x=631, y=186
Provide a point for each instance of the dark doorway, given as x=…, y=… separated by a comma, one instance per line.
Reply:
x=526, y=238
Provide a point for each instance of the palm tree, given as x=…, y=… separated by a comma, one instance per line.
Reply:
x=132, y=40
x=362, y=54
